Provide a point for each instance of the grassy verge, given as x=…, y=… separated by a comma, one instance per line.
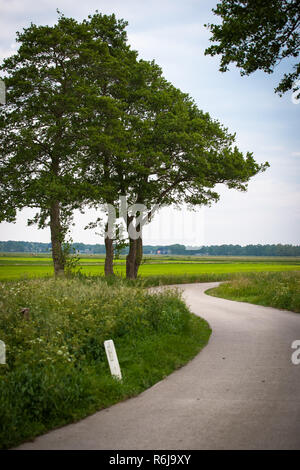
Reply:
x=279, y=290
x=56, y=370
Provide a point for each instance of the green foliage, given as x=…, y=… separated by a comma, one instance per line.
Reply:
x=71, y=259
x=58, y=79
x=279, y=290
x=257, y=35
x=87, y=122
x=56, y=369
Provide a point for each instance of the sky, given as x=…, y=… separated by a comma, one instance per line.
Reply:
x=172, y=32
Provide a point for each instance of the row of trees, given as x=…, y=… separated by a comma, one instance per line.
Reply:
x=215, y=250
x=250, y=250
x=87, y=122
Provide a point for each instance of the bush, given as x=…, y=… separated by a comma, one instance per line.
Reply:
x=56, y=369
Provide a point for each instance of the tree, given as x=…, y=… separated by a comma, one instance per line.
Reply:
x=55, y=83
x=258, y=35
x=86, y=123
x=173, y=153
x=118, y=161
x=191, y=155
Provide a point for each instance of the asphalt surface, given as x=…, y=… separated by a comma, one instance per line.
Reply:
x=242, y=391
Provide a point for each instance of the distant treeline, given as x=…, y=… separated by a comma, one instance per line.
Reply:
x=213, y=250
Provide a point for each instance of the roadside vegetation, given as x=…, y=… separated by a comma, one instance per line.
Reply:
x=276, y=289
x=57, y=371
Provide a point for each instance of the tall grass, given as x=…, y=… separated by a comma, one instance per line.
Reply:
x=56, y=369
x=279, y=290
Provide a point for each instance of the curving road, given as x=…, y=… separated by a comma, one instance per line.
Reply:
x=241, y=392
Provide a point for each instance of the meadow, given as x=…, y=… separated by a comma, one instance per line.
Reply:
x=16, y=267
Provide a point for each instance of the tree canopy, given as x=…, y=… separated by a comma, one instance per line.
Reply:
x=86, y=122
x=59, y=77
x=258, y=35
x=174, y=154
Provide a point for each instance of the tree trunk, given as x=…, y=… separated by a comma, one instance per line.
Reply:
x=56, y=239
x=135, y=255
x=131, y=257
x=139, y=253
x=130, y=260
x=109, y=257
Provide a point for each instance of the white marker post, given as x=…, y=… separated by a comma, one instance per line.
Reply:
x=112, y=359
x=2, y=352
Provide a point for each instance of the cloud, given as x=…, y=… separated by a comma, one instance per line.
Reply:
x=268, y=213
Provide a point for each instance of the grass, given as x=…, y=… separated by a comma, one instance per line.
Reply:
x=279, y=290
x=57, y=372
x=15, y=267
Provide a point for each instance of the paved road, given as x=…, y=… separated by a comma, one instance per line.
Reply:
x=241, y=392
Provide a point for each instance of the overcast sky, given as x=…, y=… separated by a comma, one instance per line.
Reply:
x=172, y=33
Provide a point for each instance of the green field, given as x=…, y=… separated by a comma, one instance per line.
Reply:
x=15, y=267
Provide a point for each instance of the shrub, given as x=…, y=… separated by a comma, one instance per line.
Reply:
x=56, y=369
